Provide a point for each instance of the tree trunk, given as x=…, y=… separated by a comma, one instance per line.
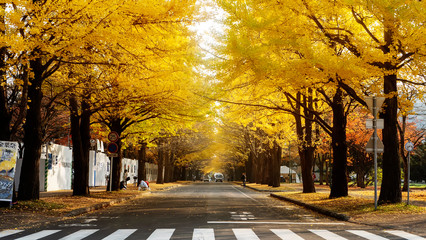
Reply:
x=29, y=185
x=306, y=151
x=276, y=162
x=77, y=148
x=141, y=162
x=321, y=161
x=161, y=154
x=360, y=179
x=255, y=169
x=117, y=127
x=5, y=116
x=168, y=172
x=266, y=163
x=80, y=130
x=391, y=181
x=249, y=166
x=339, y=182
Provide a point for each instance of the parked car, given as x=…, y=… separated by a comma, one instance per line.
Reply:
x=206, y=178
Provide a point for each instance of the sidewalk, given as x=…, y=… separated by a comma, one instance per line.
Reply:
x=358, y=207
x=59, y=205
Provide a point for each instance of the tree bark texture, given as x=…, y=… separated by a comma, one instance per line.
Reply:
x=250, y=168
x=117, y=127
x=339, y=182
x=391, y=181
x=80, y=133
x=275, y=166
x=29, y=185
x=141, y=162
x=160, y=179
x=306, y=152
x=5, y=116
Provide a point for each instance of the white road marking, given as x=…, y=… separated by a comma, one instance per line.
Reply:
x=203, y=234
x=162, y=234
x=327, y=234
x=77, y=225
x=286, y=234
x=245, y=234
x=120, y=234
x=279, y=223
x=38, y=235
x=366, y=235
x=248, y=196
x=80, y=234
x=9, y=232
x=209, y=234
x=90, y=220
x=405, y=235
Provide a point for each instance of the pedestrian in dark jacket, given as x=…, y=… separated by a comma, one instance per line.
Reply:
x=243, y=178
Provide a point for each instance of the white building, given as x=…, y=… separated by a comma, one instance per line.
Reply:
x=286, y=172
x=56, y=168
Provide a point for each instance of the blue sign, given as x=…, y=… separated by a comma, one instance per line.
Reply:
x=112, y=147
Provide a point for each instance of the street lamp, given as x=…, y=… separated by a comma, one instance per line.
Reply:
x=409, y=146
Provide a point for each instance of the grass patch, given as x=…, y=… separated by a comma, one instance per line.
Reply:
x=418, y=185
x=400, y=208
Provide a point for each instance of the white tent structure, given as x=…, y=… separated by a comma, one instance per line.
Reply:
x=285, y=172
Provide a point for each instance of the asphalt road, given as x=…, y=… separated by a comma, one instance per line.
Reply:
x=205, y=211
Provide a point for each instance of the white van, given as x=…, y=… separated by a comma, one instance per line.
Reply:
x=218, y=177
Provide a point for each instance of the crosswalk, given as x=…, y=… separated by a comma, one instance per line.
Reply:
x=209, y=234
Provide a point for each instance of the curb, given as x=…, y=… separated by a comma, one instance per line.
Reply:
x=98, y=206
x=262, y=190
x=338, y=216
x=80, y=211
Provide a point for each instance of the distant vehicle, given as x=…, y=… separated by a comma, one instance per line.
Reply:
x=206, y=178
x=218, y=177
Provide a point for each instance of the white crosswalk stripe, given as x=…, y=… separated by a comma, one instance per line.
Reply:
x=6, y=233
x=366, y=235
x=245, y=234
x=120, y=234
x=405, y=235
x=162, y=234
x=80, y=234
x=38, y=235
x=327, y=234
x=286, y=234
x=203, y=234
x=209, y=234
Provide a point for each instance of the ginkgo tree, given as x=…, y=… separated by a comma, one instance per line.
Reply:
x=51, y=34
x=350, y=45
x=383, y=35
x=275, y=83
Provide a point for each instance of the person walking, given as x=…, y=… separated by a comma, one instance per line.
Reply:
x=243, y=178
x=125, y=176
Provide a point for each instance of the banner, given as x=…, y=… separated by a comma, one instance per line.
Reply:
x=8, y=156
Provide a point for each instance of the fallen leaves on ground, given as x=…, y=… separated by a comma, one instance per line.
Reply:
x=63, y=203
x=56, y=206
x=352, y=205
